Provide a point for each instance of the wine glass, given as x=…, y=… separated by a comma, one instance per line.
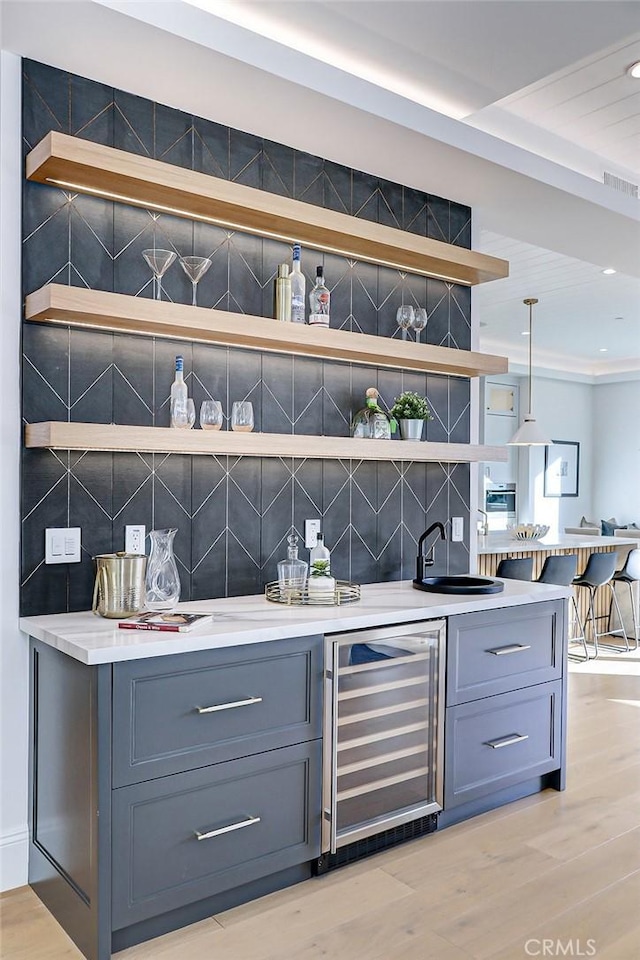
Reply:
x=404, y=318
x=191, y=413
x=211, y=415
x=159, y=262
x=242, y=416
x=195, y=268
x=419, y=321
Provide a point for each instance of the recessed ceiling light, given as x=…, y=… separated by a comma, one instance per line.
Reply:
x=634, y=70
x=524, y=333
x=609, y=271
x=604, y=350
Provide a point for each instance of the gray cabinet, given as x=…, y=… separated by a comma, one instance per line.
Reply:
x=505, y=723
x=167, y=789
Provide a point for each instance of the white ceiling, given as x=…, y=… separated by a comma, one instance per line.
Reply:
x=514, y=107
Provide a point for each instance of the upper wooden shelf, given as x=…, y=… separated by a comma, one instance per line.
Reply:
x=54, y=303
x=117, y=438
x=78, y=164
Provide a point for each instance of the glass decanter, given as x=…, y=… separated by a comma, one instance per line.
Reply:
x=163, y=581
x=292, y=572
x=372, y=422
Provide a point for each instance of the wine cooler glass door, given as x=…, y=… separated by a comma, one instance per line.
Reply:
x=383, y=729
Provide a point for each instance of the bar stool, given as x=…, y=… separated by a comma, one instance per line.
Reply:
x=561, y=570
x=516, y=568
x=630, y=574
x=598, y=573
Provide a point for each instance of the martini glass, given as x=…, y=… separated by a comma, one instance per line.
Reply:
x=159, y=261
x=195, y=268
x=419, y=322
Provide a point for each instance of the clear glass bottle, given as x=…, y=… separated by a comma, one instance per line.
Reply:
x=292, y=572
x=320, y=552
x=178, y=398
x=372, y=422
x=298, y=288
x=319, y=302
x=162, y=581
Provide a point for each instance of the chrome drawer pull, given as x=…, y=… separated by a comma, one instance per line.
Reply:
x=512, y=648
x=232, y=826
x=507, y=741
x=229, y=706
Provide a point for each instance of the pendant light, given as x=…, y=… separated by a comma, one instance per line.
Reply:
x=529, y=434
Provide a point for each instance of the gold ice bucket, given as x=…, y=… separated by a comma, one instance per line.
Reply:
x=119, y=588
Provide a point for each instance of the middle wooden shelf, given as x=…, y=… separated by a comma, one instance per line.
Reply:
x=132, y=439
x=55, y=303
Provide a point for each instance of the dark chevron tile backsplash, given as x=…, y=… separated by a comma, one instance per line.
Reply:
x=233, y=514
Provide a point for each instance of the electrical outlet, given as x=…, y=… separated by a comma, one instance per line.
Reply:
x=134, y=535
x=457, y=529
x=62, y=545
x=311, y=531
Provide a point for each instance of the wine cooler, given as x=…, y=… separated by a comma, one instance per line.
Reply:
x=383, y=743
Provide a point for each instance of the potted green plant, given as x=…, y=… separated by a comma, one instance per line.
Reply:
x=321, y=584
x=411, y=410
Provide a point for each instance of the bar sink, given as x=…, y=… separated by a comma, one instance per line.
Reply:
x=459, y=584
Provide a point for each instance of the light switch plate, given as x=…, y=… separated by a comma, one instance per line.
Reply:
x=457, y=529
x=62, y=545
x=311, y=531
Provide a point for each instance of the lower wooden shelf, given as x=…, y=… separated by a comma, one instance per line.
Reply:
x=116, y=437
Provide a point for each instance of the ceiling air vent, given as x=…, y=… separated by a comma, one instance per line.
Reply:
x=623, y=186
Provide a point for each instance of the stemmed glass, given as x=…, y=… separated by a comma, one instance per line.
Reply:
x=419, y=322
x=195, y=268
x=404, y=318
x=159, y=261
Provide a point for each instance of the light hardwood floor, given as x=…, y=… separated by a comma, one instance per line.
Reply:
x=563, y=868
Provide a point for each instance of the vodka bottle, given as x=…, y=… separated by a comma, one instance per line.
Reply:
x=298, y=285
x=178, y=402
x=322, y=553
x=319, y=301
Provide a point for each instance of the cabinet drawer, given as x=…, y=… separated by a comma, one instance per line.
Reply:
x=177, y=713
x=494, y=651
x=254, y=816
x=500, y=741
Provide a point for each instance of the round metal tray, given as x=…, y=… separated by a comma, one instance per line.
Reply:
x=294, y=597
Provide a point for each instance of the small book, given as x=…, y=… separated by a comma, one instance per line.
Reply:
x=172, y=621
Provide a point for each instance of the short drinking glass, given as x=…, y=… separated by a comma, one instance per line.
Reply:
x=242, y=416
x=211, y=415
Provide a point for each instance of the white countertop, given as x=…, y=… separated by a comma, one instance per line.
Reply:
x=505, y=543
x=240, y=620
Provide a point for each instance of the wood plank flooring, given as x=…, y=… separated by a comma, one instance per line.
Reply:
x=563, y=868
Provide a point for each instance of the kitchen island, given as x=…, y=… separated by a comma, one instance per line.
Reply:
x=177, y=774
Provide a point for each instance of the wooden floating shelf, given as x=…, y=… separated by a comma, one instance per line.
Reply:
x=54, y=303
x=76, y=164
x=117, y=438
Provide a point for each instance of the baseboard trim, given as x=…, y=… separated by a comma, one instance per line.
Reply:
x=14, y=859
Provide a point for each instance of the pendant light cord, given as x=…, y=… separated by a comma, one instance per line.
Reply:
x=530, y=302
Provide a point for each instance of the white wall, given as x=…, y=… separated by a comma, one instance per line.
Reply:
x=616, y=467
x=14, y=686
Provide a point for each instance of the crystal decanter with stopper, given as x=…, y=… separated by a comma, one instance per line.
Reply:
x=163, y=580
x=292, y=572
x=372, y=422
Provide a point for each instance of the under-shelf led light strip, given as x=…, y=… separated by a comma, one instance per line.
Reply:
x=243, y=228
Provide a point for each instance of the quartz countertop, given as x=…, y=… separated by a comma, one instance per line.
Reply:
x=505, y=543
x=241, y=620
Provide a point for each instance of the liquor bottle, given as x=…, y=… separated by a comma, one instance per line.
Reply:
x=322, y=553
x=292, y=572
x=319, y=302
x=178, y=400
x=372, y=422
x=298, y=285
x=283, y=293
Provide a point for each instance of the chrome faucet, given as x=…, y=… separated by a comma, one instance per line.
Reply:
x=427, y=561
x=485, y=525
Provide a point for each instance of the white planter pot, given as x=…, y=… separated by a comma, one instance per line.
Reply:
x=321, y=588
x=411, y=429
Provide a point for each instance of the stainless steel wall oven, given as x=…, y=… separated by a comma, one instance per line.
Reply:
x=383, y=743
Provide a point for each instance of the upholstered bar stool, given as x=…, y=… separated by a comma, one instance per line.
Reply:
x=561, y=570
x=598, y=573
x=630, y=574
x=516, y=568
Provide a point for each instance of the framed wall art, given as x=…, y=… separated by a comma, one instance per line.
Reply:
x=561, y=468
